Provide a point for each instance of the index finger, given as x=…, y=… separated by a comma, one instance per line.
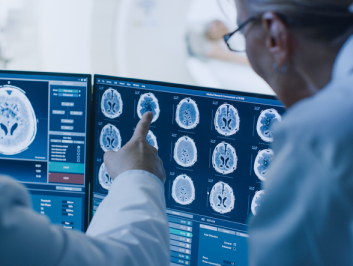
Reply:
x=143, y=126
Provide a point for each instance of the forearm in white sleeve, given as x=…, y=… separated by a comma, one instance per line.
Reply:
x=133, y=215
x=130, y=228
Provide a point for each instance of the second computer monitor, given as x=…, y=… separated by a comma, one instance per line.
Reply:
x=43, y=141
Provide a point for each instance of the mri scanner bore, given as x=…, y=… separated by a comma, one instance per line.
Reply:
x=257, y=201
x=227, y=120
x=18, y=123
x=224, y=158
x=185, y=152
x=111, y=104
x=222, y=198
x=262, y=162
x=266, y=119
x=183, y=190
x=110, y=139
x=104, y=179
x=187, y=114
x=148, y=103
x=151, y=139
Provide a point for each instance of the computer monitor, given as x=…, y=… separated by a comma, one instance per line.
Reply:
x=43, y=141
x=215, y=146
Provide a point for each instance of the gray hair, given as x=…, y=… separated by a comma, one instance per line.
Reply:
x=320, y=20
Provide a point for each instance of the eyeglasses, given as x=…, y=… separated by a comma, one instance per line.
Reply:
x=236, y=39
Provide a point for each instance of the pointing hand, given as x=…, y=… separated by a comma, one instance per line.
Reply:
x=137, y=154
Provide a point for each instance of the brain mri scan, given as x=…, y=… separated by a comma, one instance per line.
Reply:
x=111, y=104
x=185, y=152
x=224, y=158
x=262, y=162
x=18, y=122
x=148, y=103
x=183, y=190
x=110, y=139
x=104, y=179
x=187, y=114
x=227, y=120
x=151, y=139
x=257, y=201
x=264, y=123
x=222, y=198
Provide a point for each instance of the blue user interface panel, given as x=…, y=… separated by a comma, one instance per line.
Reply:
x=215, y=146
x=43, y=141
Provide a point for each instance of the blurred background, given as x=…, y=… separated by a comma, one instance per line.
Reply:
x=177, y=41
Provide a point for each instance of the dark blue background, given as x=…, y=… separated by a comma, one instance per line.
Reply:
x=37, y=94
x=24, y=171
x=55, y=212
x=246, y=143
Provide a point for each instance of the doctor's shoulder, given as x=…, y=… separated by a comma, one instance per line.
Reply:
x=322, y=125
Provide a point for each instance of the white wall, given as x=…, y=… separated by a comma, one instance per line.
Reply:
x=64, y=29
x=150, y=40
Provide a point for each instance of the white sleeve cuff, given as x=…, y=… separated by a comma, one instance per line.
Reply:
x=134, y=173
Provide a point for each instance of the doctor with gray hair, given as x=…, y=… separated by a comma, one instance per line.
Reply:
x=304, y=50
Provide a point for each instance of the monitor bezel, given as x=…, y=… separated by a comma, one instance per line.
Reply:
x=88, y=175
x=158, y=83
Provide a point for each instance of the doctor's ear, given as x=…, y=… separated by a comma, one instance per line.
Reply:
x=277, y=38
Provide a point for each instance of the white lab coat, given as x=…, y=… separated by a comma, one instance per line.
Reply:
x=130, y=228
x=307, y=214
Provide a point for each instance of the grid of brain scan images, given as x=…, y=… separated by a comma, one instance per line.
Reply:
x=216, y=151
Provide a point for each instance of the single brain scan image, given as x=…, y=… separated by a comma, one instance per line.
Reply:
x=111, y=104
x=257, y=201
x=185, y=152
x=110, y=139
x=224, y=158
x=262, y=162
x=183, y=190
x=151, y=139
x=103, y=177
x=264, y=123
x=227, y=120
x=187, y=114
x=18, y=122
x=222, y=198
x=148, y=103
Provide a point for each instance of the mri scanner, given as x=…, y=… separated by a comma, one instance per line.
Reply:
x=143, y=39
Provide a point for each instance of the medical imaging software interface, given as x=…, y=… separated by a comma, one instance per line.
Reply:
x=43, y=142
x=216, y=152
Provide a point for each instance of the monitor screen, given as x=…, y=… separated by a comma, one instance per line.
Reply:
x=43, y=141
x=215, y=146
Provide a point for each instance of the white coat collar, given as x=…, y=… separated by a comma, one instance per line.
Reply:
x=344, y=62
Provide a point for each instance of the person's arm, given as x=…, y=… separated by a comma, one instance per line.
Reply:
x=134, y=216
x=26, y=238
x=129, y=228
